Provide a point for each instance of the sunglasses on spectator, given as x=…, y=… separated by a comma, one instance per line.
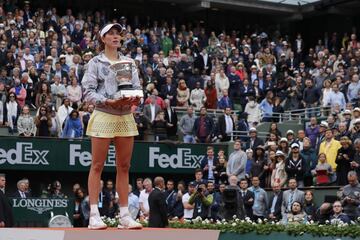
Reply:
x=337, y=206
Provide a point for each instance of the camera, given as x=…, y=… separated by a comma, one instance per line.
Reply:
x=199, y=189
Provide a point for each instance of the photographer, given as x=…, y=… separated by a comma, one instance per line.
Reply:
x=350, y=198
x=202, y=200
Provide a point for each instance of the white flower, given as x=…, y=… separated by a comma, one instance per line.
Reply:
x=352, y=222
x=223, y=220
x=307, y=223
x=311, y=221
x=218, y=222
x=253, y=223
x=233, y=224
x=277, y=223
x=301, y=233
x=265, y=219
x=247, y=218
x=272, y=222
x=327, y=222
x=242, y=221
x=234, y=216
x=259, y=221
x=237, y=220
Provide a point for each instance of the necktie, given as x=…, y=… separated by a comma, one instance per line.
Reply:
x=23, y=195
x=291, y=199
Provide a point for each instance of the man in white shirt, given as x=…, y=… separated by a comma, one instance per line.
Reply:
x=143, y=198
x=188, y=208
x=226, y=125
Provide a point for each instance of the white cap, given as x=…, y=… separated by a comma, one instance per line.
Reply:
x=30, y=20
x=279, y=153
x=283, y=55
x=49, y=58
x=294, y=145
x=347, y=111
x=12, y=22
x=62, y=56
x=356, y=109
x=252, y=129
x=64, y=28
x=283, y=140
x=357, y=121
x=29, y=80
x=290, y=132
x=51, y=30
x=249, y=150
x=109, y=26
x=324, y=124
x=284, y=43
x=253, y=66
x=2, y=25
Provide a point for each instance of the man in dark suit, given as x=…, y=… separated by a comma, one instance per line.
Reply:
x=253, y=141
x=6, y=215
x=275, y=203
x=21, y=192
x=168, y=91
x=157, y=205
x=247, y=197
x=208, y=164
x=225, y=125
x=204, y=127
x=171, y=118
x=203, y=62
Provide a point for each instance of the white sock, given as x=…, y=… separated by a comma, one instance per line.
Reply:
x=94, y=209
x=124, y=211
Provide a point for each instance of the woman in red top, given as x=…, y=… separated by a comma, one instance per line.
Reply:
x=241, y=71
x=211, y=96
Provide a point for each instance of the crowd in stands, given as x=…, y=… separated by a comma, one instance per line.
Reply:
x=43, y=57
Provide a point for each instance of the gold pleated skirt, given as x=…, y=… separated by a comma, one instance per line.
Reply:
x=105, y=125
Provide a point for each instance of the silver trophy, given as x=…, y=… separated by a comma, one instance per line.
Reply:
x=123, y=74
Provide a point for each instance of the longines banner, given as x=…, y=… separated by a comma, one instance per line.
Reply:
x=75, y=155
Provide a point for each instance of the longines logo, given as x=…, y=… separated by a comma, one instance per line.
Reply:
x=39, y=205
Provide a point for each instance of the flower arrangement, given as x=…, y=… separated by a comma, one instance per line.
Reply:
x=262, y=227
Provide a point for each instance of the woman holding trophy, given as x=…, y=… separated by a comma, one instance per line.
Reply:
x=111, y=82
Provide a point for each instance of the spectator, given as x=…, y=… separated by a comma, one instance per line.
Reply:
x=211, y=96
x=330, y=147
x=208, y=164
x=186, y=126
x=253, y=141
x=237, y=162
x=338, y=216
x=25, y=123
x=335, y=97
x=160, y=126
x=311, y=96
x=225, y=101
x=20, y=93
x=260, y=200
x=78, y=215
x=170, y=195
x=151, y=110
x=42, y=94
x=290, y=196
x=252, y=109
x=183, y=94
x=74, y=92
x=21, y=190
x=202, y=201
x=266, y=106
x=11, y=113
x=310, y=158
x=189, y=207
x=296, y=215
x=275, y=203
x=158, y=215
x=6, y=215
x=247, y=198
x=169, y=91
x=197, y=97
x=309, y=206
x=139, y=187
x=141, y=124
x=295, y=165
x=279, y=175
x=56, y=190
x=312, y=131
x=226, y=126
x=222, y=82
x=353, y=88
x=349, y=196
x=171, y=119
x=143, y=198
x=203, y=127
x=63, y=112
x=343, y=161
x=73, y=126
x=258, y=165
x=220, y=170
x=58, y=92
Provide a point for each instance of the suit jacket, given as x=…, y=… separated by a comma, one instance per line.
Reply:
x=18, y=195
x=171, y=131
x=298, y=197
x=6, y=214
x=257, y=142
x=203, y=164
x=248, y=204
x=158, y=209
x=277, y=212
x=172, y=92
x=147, y=112
x=222, y=126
